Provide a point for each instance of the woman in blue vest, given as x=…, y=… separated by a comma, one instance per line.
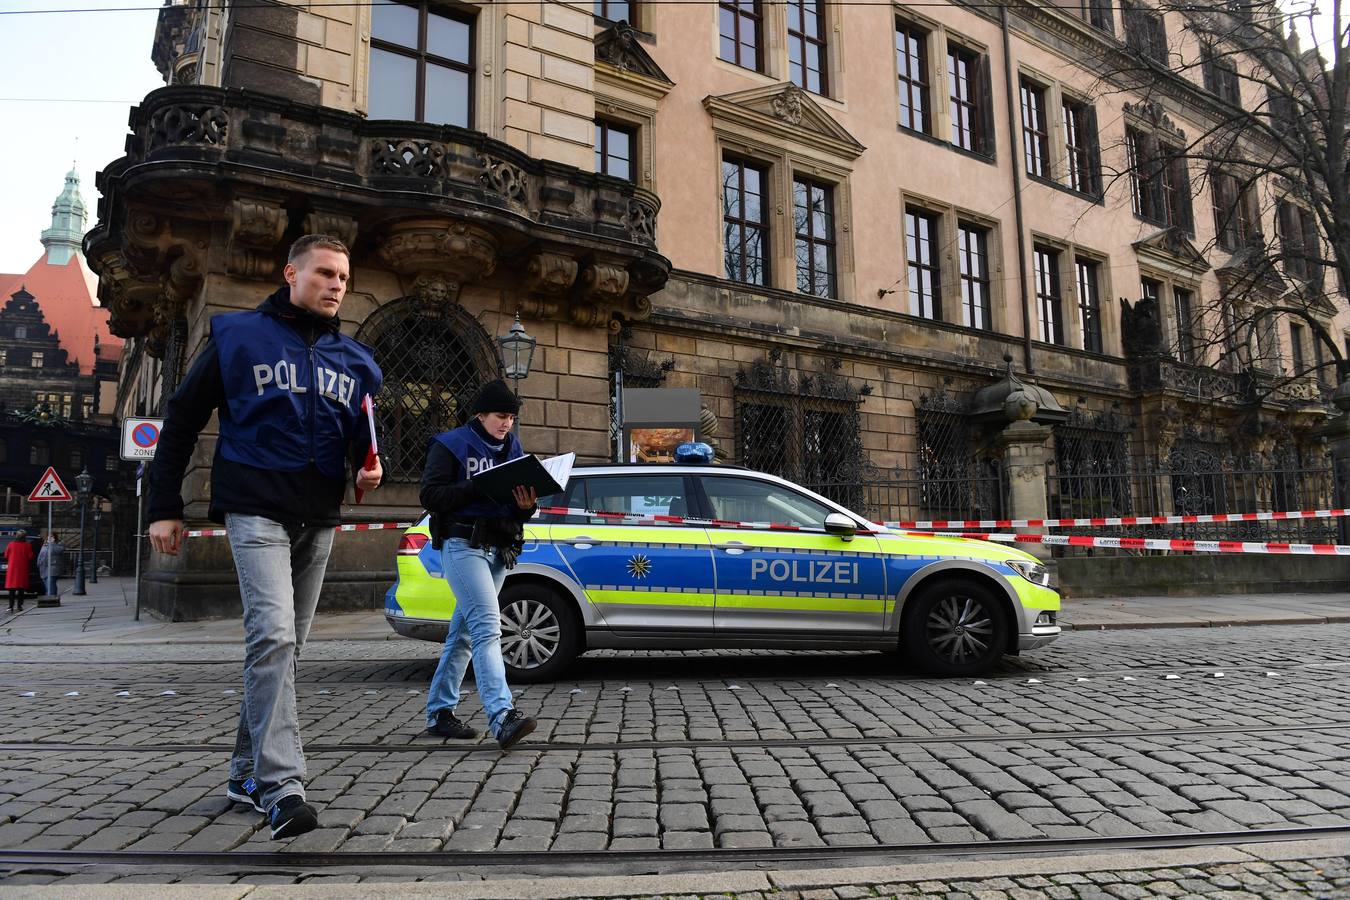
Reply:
x=479, y=540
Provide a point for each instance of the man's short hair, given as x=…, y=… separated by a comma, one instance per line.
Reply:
x=308, y=242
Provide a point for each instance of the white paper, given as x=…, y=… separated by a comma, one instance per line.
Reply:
x=560, y=467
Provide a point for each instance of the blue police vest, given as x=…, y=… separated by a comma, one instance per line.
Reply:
x=476, y=455
x=289, y=404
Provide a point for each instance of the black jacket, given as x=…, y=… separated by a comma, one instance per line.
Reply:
x=305, y=498
x=445, y=489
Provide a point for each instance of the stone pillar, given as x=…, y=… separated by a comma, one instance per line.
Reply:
x=1025, y=453
x=1337, y=433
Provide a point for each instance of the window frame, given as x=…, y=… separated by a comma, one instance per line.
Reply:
x=763, y=226
x=1297, y=356
x=916, y=266
x=969, y=106
x=604, y=125
x=964, y=256
x=738, y=13
x=812, y=241
x=1220, y=77
x=1234, y=218
x=1049, y=294
x=1089, y=302
x=803, y=40
x=908, y=86
x=1183, y=311
x=421, y=57
x=601, y=8
x=1145, y=31
x=1082, y=153
x=1028, y=89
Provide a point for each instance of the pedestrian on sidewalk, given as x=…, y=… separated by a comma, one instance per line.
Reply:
x=478, y=539
x=51, y=563
x=18, y=560
x=288, y=385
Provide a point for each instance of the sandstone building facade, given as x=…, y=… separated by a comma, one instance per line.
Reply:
x=888, y=244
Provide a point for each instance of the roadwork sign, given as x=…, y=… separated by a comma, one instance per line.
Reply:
x=49, y=489
x=139, y=438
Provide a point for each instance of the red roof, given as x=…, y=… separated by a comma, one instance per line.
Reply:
x=66, y=296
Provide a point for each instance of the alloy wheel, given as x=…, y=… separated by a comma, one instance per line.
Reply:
x=960, y=629
x=530, y=634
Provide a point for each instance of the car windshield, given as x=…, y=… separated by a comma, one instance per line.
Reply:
x=750, y=500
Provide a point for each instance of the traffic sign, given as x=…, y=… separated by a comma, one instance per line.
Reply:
x=49, y=489
x=140, y=437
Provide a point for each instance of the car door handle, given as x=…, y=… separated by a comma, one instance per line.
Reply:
x=734, y=551
x=579, y=543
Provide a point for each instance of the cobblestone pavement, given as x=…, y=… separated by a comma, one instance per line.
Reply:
x=1106, y=734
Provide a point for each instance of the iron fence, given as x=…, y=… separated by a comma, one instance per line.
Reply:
x=979, y=493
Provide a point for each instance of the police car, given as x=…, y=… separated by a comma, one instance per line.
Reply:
x=949, y=606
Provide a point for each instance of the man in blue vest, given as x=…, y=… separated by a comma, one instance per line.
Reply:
x=287, y=384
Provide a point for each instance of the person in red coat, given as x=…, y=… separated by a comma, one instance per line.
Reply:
x=19, y=558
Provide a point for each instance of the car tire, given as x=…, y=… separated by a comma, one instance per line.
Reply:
x=955, y=626
x=541, y=634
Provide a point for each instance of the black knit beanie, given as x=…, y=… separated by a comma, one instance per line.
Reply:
x=495, y=397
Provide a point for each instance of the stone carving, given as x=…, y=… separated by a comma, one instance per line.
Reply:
x=332, y=224
x=435, y=289
x=443, y=256
x=409, y=159
x=503, y=178
x=1140, y=331
x=255, y=227
x=1152, y=113
x=642, y=220
x=172, y=125
x=606, y=283
x=618, y=46
x=550, y=273
x=788, y=105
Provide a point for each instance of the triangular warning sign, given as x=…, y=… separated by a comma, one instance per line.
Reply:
x=49, y=489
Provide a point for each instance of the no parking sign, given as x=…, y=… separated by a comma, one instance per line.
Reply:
x=139, y=438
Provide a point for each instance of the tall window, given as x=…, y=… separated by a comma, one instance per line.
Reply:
x=1296, y=348
x=1185, y=312
x=1150, y=289
x=1089, y=306
x=813, y=213
x=1221, y=79
x=1035, y=130
x=1098, y=13
x=421, y=64
x=615, y=10
x=1144, y=31
x=921, y=231
x=20, y=332
x=806, y=45
x=1160, y=180
x=1299, y=243
x=614, y=149
x=1234, y=212
x=36, y=360
x=965, y=82
x=911, y=61
x=973, y=250
x=739, y=22
x=1046, y=265
x=745, y=224
x=1080, y=145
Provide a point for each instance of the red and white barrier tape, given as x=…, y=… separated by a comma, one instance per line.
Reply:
x=364, y=526
x=1132, y=543
x=1100, y=521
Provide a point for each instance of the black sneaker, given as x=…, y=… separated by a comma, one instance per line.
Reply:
x=246, y=791
x=515, y=726
x=448, y=726
x=290, y=816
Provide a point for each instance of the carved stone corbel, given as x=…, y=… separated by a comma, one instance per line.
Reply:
x=333, y=224
x=440, y=255
x=255, y=228
x=128, y=297
x=550, y=273
x=605, y=283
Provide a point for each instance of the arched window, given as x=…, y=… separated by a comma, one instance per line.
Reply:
x=434, y=360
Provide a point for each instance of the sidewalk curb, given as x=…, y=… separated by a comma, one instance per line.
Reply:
x=702, y=883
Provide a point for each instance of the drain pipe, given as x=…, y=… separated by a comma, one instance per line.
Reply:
x=1017, y=190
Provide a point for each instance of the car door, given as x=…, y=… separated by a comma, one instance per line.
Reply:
x=640, y=577
x=791, y=582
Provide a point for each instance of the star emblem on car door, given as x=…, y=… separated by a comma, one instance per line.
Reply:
x=639, y=566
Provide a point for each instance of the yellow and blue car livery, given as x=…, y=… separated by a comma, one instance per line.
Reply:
x=950, y=606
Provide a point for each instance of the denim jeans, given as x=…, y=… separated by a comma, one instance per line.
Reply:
x=280, y=575
x=475, y=577
x=50, y=585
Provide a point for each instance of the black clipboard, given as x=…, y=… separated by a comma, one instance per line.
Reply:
x=499, y=481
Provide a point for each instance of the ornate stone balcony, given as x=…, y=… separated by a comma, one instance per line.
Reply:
x=219, y=181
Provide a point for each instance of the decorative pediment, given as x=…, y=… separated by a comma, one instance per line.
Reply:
x=1250, y=270
x=787, y=112
x=1171, y=249
x=618, y=46
x=1151, y=114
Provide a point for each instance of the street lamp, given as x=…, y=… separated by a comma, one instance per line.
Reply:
x=98, y=517
x=517, y=349
x=84, y=483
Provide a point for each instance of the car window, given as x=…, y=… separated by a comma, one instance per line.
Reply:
x=750, y=500
x=662, y=495
x=572, y=497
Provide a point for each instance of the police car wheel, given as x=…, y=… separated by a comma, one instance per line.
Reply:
x=540, y=635
x=955, y=627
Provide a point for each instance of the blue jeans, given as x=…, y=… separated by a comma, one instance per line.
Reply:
x=280, y=575
x=50, y=584
x=475, y=577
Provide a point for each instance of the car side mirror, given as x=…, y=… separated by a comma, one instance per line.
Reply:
x=840, y=525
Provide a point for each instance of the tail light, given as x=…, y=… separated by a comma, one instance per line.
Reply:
x=412, y=544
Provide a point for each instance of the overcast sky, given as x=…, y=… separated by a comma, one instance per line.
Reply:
x=66, y=82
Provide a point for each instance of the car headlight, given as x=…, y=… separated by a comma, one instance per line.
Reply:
x=1032, y=571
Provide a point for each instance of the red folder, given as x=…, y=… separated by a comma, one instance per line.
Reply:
x=372, y=452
